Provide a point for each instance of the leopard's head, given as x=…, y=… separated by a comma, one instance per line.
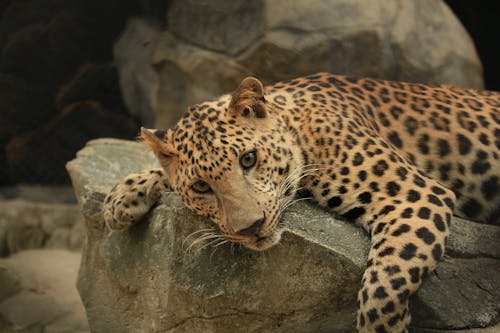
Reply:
x=234, y=161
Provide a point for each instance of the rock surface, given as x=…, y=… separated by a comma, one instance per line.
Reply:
x=152, y=277
x=33, y=225
x=418, y=41
x=139, y=80
x=37, y=293
x=225, y=26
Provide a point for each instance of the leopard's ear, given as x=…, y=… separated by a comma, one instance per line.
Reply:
x=159, y=141
x=248, y=100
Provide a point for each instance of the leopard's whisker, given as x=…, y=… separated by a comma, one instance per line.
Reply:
x=203, y=232
x=196, y=243
x=221, y=242
x=199, y=231
x=293, y=202
x=299, y=173
x=295, y=177
x=283, y=204
x=201, y=239
x=215, y=241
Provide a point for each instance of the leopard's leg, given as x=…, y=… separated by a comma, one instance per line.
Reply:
x=408, y=235
x=132, y=198
x=406, y=214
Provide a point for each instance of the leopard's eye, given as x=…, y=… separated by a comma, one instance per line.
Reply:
x=248, y=160
x=201, y=187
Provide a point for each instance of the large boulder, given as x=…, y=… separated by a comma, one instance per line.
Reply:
x=225, y=26
x=417, y=41
x=160, y=276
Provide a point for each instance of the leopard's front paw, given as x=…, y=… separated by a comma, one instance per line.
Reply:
x=132, y=198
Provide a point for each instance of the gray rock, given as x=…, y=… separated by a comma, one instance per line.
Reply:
x=11, y=283
x=24, y=230
x=139, y=81
x=460, y=294
x=308, y=283
x=429, y=44
x=30, y=225
x=313, y=52
x=59, y=238
x=189, y=74
x=39, y=294
x=76, y=237
x=221, y=25
x=417, y=41
x=492, y=329
x=473, y=239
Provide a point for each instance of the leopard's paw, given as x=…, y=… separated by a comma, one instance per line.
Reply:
x=132, y=198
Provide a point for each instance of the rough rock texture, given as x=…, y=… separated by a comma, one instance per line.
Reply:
x=152, y=277
x=225, y=26
x=419, y=41
x=37, y=293
x=138, y=78
x=37, y=272
x=32, y=225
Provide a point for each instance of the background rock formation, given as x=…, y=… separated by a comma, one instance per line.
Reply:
x=41, y=235
x=57, y=67
x=37, y=293
x=149, y=278
x=418, y=41
x=57, y=70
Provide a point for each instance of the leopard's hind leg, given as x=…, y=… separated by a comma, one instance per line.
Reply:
x=408, y=235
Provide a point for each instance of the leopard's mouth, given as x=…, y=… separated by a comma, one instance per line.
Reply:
x=268, y=236
x=262, y=243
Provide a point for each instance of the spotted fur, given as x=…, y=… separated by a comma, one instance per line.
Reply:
x=397, y=158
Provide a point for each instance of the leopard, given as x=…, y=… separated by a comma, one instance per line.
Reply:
x=396, y=158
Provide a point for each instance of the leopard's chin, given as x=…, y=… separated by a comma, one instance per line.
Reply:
x=265, y=242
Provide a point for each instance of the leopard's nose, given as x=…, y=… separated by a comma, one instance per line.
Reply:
x=253, y=229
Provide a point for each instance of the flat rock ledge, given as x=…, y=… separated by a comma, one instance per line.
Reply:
x=152, y=278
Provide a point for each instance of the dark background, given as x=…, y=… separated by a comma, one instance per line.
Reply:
x=482, y=21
